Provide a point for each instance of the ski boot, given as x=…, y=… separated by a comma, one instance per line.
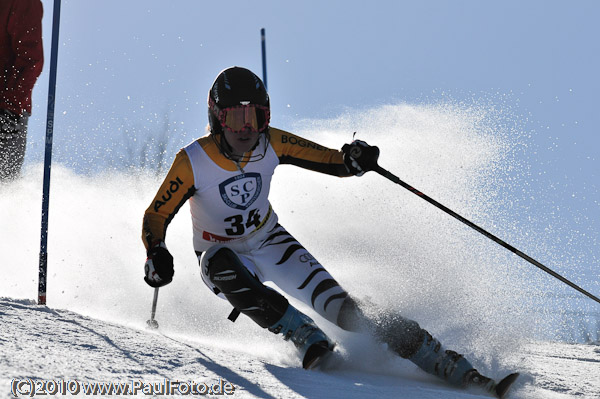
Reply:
x=457, y=370
x=304, y=333
x=445, y=364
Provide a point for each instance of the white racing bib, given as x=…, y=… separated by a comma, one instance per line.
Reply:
x=228, y=205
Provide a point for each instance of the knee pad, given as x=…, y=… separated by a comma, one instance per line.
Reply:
x=243, y=289
x=403, y=336
x=351, y=318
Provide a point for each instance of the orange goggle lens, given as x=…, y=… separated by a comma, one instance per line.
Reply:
x=240, y=117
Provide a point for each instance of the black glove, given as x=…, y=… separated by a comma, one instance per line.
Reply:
x=359, y=157
x=159, y=266
x=9, y=121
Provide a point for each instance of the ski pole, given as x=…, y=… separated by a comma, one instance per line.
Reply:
x=153, y=323
x=489, y=235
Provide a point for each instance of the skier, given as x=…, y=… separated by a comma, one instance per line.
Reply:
x=226, y=176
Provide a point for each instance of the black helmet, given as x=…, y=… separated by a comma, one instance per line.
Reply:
x=234, y=88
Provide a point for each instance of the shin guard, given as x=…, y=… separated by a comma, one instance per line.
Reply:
x=243, y=290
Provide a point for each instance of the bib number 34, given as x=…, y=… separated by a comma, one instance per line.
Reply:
x=237, y=225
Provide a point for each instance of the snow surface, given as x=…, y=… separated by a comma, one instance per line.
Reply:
x=382, y=243
x=44, y=343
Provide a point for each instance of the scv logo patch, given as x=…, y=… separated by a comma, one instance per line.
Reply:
x=241, y=191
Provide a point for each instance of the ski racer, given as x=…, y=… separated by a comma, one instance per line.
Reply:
x=226, y=176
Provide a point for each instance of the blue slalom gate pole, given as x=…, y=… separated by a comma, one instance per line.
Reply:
x=263, y=41
x=43, y=266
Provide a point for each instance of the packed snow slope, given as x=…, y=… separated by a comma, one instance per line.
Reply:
x=42, y=343
x=381, y=242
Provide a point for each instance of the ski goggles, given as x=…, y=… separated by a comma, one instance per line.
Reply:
x=240, y=117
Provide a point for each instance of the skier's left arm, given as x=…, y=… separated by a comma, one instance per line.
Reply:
x=295, y=150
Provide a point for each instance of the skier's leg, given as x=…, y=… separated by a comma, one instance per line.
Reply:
x=402, y=335
x=406, y=338
x=284, y=261
x=227, y=273
x=229, y=276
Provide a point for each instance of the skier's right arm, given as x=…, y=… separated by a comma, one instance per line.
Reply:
x=177, y=188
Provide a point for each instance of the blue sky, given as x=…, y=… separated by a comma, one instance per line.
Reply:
x=128, y=62
x=541, y=57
